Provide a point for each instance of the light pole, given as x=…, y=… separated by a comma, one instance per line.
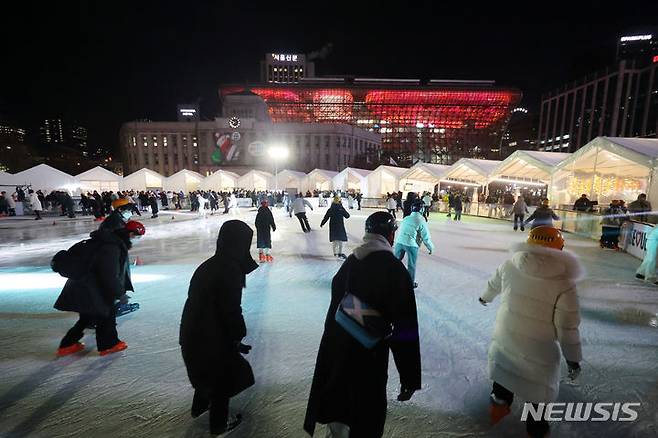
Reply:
x=277, y=152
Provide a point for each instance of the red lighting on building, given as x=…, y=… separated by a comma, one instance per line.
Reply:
x=655, y=58
x=446, y=122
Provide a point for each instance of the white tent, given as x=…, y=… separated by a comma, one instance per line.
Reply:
x=289, y=179
x=99, y=179
x=6, y=178
x=422, y=177
x=255, y=179
x=185, y=180
x=528, y=167
x=608, y=168
x=220, y=180
x=384, y=179
x=352, y=178
x=469, y=172
x=320, y=179
x=143, y=179
x=46, y=178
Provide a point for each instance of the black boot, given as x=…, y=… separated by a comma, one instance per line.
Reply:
x=200, y=404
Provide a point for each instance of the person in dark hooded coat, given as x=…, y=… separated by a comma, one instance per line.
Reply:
x=349, y=383
x=212, y=326
x=337, y=235
x=93, y=296
x=264, y=223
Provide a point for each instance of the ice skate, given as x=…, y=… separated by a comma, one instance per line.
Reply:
x=123, y=309
x=261, y=257
x=498, y=409
x=231, y=424
x=269, y=258
x=120, y=346
x=71, y=349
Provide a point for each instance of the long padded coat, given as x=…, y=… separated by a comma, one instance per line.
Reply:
x=335, y=215
x=212, y=325
x=539, y=313
x=264, y=223
x=349, y=383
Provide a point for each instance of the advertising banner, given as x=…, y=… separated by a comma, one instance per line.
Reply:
x=633, y=238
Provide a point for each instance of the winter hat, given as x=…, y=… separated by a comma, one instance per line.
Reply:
x=546, y=236
x=120, y=202
x=135, y=227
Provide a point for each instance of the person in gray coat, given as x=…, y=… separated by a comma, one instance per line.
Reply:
x=520, y=208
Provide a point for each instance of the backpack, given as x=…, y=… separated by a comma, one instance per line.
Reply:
x=75, y=262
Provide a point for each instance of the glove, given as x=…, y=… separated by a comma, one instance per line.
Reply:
x=484, y=303
x=243, y=348
x=405, y=394
x=574, y=370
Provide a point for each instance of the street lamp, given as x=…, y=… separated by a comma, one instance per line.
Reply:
x=277, y=152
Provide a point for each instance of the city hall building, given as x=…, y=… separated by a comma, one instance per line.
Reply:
x=437, y=121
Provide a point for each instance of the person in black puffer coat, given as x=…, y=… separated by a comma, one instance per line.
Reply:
x=349, y=383
x=264, y=223
x=93, y=296
x=212, y=326
x=337, y=235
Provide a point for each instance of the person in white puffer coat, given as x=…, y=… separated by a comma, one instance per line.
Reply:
x=539, y=315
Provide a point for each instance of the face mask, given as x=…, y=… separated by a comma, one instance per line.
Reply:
x=126, y=215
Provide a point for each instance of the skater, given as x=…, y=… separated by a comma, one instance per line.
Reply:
x=153, y=202
x=350, y=201
x=412, y=197
x=391, y=205
x=121, y=214
x=358, y=198
x=264, y=222
x=647, y=269
x=543, y=216
x=520, y=208
x=348, y=392
x=427, y=200
x=233, y=205
x=613, y=217
x=212, y=327
x=539, y=315
x=337, y=235
x=406, y=241
x=299, y=209
x=203, y=206
x=458, y=206
x=36, y=204
x=98, y=274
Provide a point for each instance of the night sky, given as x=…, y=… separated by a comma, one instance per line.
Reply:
x=106, y=63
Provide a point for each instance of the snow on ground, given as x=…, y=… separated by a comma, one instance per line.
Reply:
x=144, y=392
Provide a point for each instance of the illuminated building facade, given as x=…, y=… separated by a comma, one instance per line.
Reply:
x=437, y=121
x=285, y=68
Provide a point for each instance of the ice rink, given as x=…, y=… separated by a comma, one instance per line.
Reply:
x=144, y=391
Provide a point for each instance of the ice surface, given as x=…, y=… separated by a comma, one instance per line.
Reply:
x=144, y=391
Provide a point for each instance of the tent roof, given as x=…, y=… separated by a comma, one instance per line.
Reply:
x=293, y=173
x=472, y=170
x=143, y=171
x=44, y=175
x=631, y=157
x=224, y=172
x=185, y=173
x=427, y=172
x=257, y=172
x=530, y=164
x=359, y=173
x=98, y=174
x=328, y=174
x=397, y=171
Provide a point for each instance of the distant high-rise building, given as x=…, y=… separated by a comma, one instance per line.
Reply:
x=78, y=137
x=285, y=68
x=642, y=48
x=52, y=131
x=10, y=134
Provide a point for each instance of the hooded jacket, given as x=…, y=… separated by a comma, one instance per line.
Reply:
x=264, y=222
x=212, y=325
x=538, y=316
x=412, y=226
x=349, y=382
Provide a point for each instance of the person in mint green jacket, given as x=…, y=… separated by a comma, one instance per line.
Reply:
x=406, y=241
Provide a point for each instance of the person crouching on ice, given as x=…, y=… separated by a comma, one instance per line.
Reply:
x=264, y=223
x=212, y=327
x=368, y=316
x=538, y=315
x=93, y=293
